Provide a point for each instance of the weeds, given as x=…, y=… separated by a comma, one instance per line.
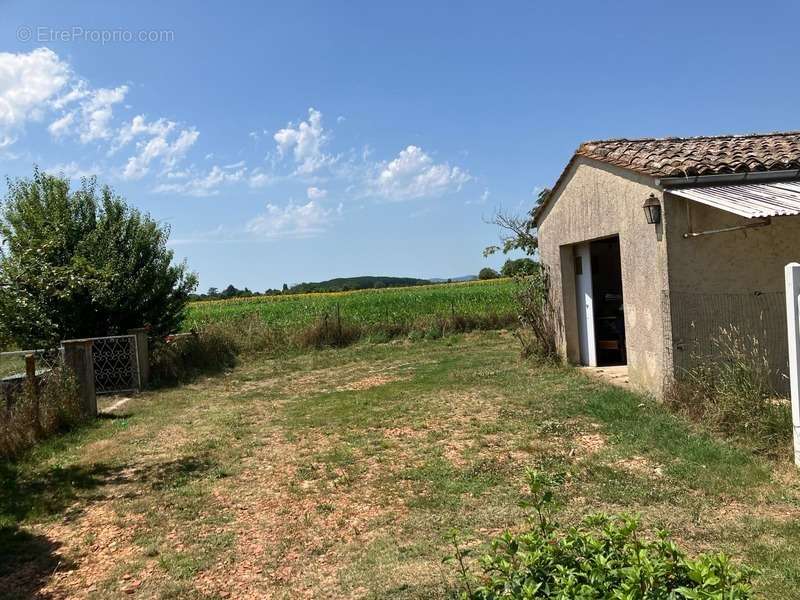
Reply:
x=216, y=347
x=181, y=359
x=731, y=392
x=538, y=332
x=38, y=413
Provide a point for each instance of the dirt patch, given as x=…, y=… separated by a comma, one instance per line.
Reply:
x=588, y=444
x=291, y=539
x=369, y=382
x=96, y=544
x=639, y=465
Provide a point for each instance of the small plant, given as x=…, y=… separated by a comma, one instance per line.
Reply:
x=604, y=557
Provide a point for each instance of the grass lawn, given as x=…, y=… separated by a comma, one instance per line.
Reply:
x=339, y=474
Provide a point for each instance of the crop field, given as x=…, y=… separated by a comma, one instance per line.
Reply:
x=365, y=307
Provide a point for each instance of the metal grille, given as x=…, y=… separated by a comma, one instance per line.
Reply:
x=116, y=364
x=698, y=318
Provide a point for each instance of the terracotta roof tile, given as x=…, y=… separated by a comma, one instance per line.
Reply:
x=688, y=157
x=677, y=157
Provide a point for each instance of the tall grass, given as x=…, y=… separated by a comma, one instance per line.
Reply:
x=731, y=391
x=217, y=346
x=37, y=414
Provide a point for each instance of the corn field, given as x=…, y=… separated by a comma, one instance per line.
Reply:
x=363, y=307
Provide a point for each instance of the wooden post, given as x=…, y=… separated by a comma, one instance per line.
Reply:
x=32, y=385
x=792, y=275
x=78, y=358
x=143, y=355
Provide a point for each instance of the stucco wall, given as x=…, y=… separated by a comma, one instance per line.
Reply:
x=744, y=261
x=599, y=200
x=728, y=278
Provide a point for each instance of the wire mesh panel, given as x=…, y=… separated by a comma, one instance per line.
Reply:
x=116, y=365
x=698, y=320
x=13, y=373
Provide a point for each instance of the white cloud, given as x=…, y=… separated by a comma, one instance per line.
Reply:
x=39, y=84
x=413, y=174
x=159, y=147
x=139, y=126
x=306, y=142
x=296, y=221
x=60, y=127
x=28, y=82
x=97, y=110
x=315, y=193
x=207, y=184
x=259, y=179
x=91, y=119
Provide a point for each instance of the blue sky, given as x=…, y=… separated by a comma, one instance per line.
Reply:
x=304, y=140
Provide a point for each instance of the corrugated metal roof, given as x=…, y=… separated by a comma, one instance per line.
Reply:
x=748, y=199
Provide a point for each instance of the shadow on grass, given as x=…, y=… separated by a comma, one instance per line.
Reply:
x=28, y=560
x=26, y=563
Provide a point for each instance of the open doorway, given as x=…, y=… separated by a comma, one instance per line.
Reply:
x=608, y=307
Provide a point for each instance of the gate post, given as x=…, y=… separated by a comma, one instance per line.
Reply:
x=792, y=274
x=142, y=355
x=78, y=358
x=33, y=389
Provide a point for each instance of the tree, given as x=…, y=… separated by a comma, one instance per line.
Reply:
x=517, y=232
x=229, y=292
x=487, y=273
x=82, y=262
x=521, y=266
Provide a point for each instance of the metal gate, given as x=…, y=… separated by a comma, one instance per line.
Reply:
x=116, y=364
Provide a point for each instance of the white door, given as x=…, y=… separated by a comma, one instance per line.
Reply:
x=583, y=289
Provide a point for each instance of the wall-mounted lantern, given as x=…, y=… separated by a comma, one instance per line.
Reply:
x=652, y=210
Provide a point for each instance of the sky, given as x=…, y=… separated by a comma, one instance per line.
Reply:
x=297, y=141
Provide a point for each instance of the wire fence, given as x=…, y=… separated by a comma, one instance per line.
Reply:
x=14, y=370
x=697, y=320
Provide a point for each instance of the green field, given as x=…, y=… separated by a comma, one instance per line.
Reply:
x=365, y=307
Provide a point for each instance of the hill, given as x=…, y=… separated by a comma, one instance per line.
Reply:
x=344, y=284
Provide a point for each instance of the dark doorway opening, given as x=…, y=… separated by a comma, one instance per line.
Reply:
x=609, y=315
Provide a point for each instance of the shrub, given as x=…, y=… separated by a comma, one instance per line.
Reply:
x=58, y=410
x=538, y=331
x=183, y=358
x=488, y=273
x=80, y=262
x=731, y=390
x=604, y=557
x=329, y=331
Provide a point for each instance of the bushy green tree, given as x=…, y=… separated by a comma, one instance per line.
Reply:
x=521, y=266
x=81, y=262
x=488, y=273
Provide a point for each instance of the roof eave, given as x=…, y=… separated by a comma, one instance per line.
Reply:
x=750, y=177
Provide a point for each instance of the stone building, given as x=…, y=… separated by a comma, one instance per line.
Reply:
x=656, y=246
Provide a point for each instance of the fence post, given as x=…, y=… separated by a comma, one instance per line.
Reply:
x=792, y=273
x=78, y=358
x=33, y=389
x=143, y=356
